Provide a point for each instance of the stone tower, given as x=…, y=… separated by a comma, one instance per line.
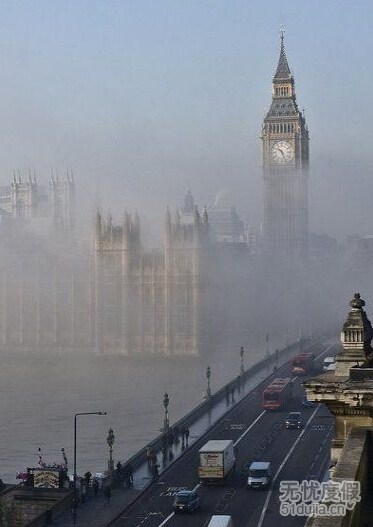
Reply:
x=285, y=161
x=24, y=197
x=186, y=253
x=117, y=252
x=62, y=200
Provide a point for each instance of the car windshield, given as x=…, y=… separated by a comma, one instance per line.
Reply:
x=182, y=498
x=256, y=473
x=294, y=417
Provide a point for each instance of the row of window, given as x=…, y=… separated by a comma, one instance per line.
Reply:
x=283, y=90
x=280, y=128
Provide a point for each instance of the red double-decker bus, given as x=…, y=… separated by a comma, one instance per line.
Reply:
x=303, y=363
x=276, y=394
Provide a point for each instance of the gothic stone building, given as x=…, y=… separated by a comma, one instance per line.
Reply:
x=285, y=160
x=150, y=302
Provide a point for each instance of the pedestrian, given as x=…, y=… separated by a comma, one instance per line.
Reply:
x=95, y=487
x=128, y=475
x=227, y=394
x=107, y=494
x=87, y=478
x=176, y=435
x=149, y=456
x=183, y=435
x=187, y=436
x=155, y=470
x=232, y=394
x=119, y=473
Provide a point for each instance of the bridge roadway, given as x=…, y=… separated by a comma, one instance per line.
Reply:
x=259, y=435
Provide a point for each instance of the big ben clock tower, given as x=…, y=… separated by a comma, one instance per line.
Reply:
x=285, y=163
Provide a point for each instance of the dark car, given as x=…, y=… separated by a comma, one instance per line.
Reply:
x=308, y=404
x=186, y=501
x=294, y=420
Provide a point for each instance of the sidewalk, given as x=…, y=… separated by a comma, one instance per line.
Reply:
x=96, y=513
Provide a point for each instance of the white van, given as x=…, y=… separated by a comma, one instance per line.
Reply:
x=220, y=521
x=259, y=475
x=328, y=362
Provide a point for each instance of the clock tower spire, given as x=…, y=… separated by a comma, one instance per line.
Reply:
x=285, y=161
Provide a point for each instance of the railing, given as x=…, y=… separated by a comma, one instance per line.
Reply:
x=185, y=422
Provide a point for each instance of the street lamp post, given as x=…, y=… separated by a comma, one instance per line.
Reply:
x=242, y=365
x=166, y=402
x=75, y=422
x=110, y=441
x=208, y=387
x=267, y=345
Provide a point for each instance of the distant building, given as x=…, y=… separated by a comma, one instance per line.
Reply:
x=25, y=199
x=348, y=393
x=360, y=251
x=285, y=144
x=226, y=225
x=150, y=302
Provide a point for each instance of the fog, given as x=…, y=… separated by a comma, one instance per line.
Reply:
x=139, y=103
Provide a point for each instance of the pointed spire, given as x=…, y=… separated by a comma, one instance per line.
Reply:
x=98, y=220
x=205, y=215
x=283, y=70
x=197, y=217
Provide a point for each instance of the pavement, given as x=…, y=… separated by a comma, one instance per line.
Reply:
x=94, y=512
x=258, y=435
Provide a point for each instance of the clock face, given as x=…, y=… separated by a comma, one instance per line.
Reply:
x=282, y=152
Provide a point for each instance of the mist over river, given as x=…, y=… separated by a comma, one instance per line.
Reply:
x=40, y=393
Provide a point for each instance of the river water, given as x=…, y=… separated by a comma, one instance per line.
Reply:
x=41, y=393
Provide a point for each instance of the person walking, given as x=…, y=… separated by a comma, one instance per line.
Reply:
x=187, y=436
x=155, y=470
x=95, y=487
x=149, y=456
x=128, y=475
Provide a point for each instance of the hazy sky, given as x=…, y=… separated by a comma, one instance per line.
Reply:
x=145, y=99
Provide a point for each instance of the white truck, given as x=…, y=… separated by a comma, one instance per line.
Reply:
x=216, y=460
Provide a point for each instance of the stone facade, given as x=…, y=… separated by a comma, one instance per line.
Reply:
x=24, y=199
x=348, y=392
x=150, y=302
x=285, y=143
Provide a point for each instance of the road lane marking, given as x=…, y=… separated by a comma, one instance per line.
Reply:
x=172, y=513
x=250, y=427
x=167, y=519
x=264, y=510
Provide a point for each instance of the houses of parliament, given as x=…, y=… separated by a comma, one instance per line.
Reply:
x=108, y=294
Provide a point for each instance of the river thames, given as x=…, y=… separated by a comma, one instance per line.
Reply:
x=42, y=392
